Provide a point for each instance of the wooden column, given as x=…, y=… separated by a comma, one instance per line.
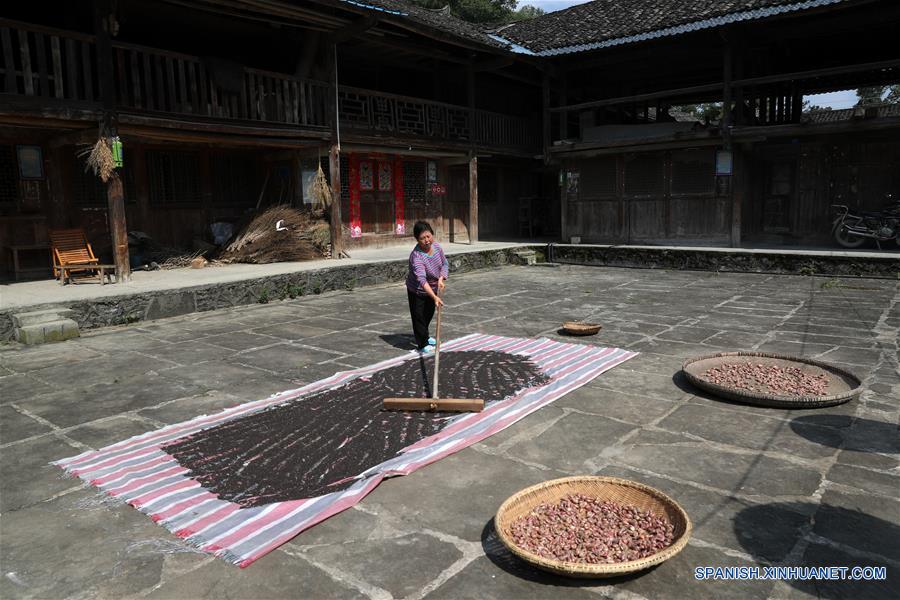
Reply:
x=727, y=115
x=563, y=116
x=473, y=198
x=334, y=171
x=334, y=155
x=545, y=118
x=563, y=205
x=115, y=197
x=470, y=89
x=738, y=183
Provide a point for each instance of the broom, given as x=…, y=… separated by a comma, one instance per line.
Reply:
x=435, y=403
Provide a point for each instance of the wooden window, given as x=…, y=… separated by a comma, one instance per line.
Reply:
x=173, y=177
x=234, y=179
x=598, y=179
x=385, y=175
x=693, y=172
x=366, y=176
x=414, y=181
x=644, y=175
x=9, y=190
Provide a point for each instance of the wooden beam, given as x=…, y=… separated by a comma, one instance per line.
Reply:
x=846, y=69
x=83, y=136
x=352, y=30
x=638, y=98
x=473, y=199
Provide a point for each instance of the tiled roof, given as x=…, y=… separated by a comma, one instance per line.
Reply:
x=440, y=19
x=845, y=114
x=604, y=23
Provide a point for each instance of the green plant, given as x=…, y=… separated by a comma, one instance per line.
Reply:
x=294, y=290
x=806, y=270
x=263, y=296
x=833, y=282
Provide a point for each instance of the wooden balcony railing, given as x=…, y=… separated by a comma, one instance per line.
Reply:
x=401, y=116
x=47, y=63
x=161, y=81
x=55, y=65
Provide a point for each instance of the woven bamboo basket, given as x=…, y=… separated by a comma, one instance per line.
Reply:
x=579, y=328
x=843, y=385
x=613, y=489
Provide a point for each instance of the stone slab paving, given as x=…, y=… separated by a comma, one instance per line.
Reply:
x=763, y=486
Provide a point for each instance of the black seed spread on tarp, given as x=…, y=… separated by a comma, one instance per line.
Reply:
x=311, y=446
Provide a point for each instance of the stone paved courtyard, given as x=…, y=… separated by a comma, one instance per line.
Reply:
x=763, y=486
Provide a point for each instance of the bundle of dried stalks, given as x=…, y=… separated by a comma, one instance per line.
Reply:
x=99, y=159
x=280, y=234
x=320, y=190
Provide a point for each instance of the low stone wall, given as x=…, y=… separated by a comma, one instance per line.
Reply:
x=133, y=308
x=736, y=261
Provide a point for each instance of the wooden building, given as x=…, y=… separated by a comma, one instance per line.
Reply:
x=563, y=126
x=636, y=170
x=223, y=107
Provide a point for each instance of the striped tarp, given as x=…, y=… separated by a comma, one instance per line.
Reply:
x=142, y=474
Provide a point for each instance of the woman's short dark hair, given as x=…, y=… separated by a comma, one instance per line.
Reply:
x=421, y=227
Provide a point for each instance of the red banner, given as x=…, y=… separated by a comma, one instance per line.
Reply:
x=355, y=222
x=399, y=199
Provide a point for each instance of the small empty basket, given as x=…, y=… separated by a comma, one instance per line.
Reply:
x=581, y=328
x=617, y=490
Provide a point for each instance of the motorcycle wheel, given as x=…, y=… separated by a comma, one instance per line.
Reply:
x=846, y=240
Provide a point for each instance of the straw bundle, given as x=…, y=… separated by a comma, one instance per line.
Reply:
x=100, y=159
x=320, y=190
x=280, y=234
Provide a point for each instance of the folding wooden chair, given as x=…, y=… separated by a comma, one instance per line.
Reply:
x=72, y=252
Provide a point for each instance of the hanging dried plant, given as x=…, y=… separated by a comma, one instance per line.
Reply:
x=99, y=159
x=320, y=190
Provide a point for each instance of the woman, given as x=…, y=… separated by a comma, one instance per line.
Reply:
x=428, y=269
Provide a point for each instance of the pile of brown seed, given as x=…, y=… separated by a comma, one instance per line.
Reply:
x=768, y=379
x=582, y=529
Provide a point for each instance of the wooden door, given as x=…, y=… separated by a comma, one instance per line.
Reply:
x=376, y=196
x=456, y=205
x=779, y=196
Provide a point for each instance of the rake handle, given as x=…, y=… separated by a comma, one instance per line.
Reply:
x=437, y=350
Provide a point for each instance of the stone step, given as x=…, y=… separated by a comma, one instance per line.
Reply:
x=525, y=257
x=36, y=317
x=53, y=331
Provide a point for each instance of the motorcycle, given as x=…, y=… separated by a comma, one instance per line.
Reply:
x=851, y=229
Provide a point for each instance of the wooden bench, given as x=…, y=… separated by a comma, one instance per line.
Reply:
x=17, y=268
x=103, y=271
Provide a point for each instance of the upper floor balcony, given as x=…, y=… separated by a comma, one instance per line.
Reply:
x=53, y=73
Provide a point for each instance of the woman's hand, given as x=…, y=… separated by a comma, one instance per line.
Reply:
x=441, y=284
x=438, y=301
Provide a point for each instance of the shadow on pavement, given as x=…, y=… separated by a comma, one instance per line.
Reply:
x=852, y=529
x=399, y=340
x=861, y=435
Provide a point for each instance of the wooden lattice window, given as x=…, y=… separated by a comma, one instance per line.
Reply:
x=234, y=178
x=693, y=172
x=598, y=179
x=645, y=175
x=9, y=189
x=173, y=177
x=414, y=181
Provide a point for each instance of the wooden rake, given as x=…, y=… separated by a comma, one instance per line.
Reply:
x=435, y=403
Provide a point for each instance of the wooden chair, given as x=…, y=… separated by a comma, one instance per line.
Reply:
x=72, y=252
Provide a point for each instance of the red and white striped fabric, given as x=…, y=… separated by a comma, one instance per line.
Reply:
x=139, y=472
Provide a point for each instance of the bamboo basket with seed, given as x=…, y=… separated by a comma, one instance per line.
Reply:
x=613, y=489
